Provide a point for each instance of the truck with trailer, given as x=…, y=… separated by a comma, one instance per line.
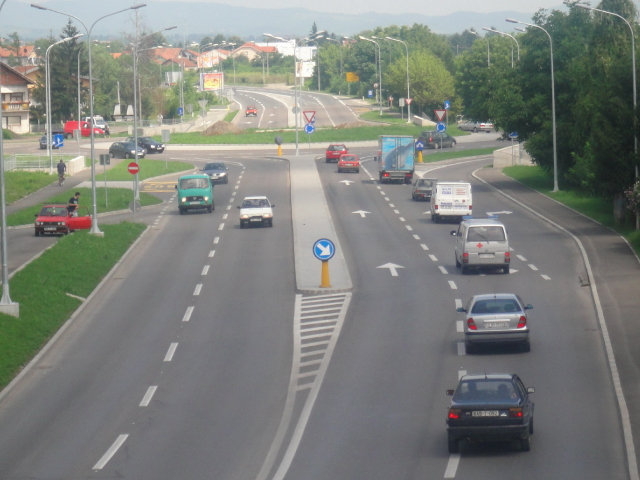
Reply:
x=396, y=158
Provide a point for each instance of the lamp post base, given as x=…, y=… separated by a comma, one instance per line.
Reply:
x=12, y=309
x=96, y=231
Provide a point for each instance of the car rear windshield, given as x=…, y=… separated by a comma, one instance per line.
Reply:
x=348, y=158
x=251, y=107
x=214, y=166
x=255, y=203
x=485, y=390
x=335, y=148
x=486, y=234
x=187, y=183
x=425, y=183
x=53, y=212
x=496, y=305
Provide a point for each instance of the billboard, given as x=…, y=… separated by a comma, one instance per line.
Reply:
x=211, y=81
x=352, y=77
x=207, y=62
x=305, y=69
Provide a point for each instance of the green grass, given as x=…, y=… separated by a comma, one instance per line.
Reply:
x=230, y=116
x=597, y=208
x=446, y=155
x=75, y=265
x=149, y=168
x=19, y=184
x=374, y=116
x=117, y=199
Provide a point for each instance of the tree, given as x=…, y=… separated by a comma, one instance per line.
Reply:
x=219, y=38
x=14, y=46
x=314, y=29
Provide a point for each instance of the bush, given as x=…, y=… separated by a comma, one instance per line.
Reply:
x=7, y=134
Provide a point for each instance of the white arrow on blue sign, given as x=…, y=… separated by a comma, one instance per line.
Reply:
x=441, y=127
x=446, y=104
x=324, y=249
x=309, y=128
x=180, y=111
x=513, y=135
x=58, y=140
x=419, y=145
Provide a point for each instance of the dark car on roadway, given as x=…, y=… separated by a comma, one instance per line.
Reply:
x=334, y=151
x=43, y=143
x=423, y=189
x=149, y=144
x=434, y=139
x=494, y=407
x=125, y=150
x=217, y=172
x=251, y=110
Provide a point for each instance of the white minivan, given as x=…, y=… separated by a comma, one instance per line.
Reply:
x=482, y=243
x=451, y=200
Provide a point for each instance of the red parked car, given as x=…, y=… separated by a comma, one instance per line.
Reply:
x=334, y=151
x=251, y=110
x=85, y=129
x=55, y=219
x=349, y=162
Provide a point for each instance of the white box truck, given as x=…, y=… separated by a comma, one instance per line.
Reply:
x=451, y=200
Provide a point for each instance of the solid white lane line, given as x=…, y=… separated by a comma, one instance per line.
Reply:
x=458, y=303
x=221, y=226
x=172, y=349
x=433, y=257
x=224, y=217
x=533, y=267
x=187, y=314
x=521, y=258
x=148, y=396
x=443, y=270
x=461, y=350
x=196, y=292
x=212, y=253
x=205, y=270
x=416, y=237
x=545, y=277
x=111, y=452
x=452, y=284
x=460, y=326
x=424, y=247
x=216, y=240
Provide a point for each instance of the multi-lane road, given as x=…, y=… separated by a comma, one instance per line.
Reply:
x=182, y=364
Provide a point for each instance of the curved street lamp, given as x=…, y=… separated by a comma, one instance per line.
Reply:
x=553, y=102
x=511, y=37
x=408, y=97
x=95, y=230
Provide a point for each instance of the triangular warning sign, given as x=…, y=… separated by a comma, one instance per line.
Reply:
x=440, y=114
x=310, y=116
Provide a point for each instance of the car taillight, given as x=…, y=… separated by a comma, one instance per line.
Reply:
x=471, y=324
x=431, y=139
x=408, y=174
x=507, y=257
x=522, y=322
x=454, y=413
x=515, y=412
x=469, y=207
x=465, y=257
x=386, y=175
x=435, y=207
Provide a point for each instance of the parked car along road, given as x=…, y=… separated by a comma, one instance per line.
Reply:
x=433, y=139
x=217, y=172
x=476, y=127
x=494, y=407
x=496, y=318
x=85, y=129
x=43, y=142
x=55, y=219
x=423, y=189
x=348, y=162
x=334, y=151
x=251, y=110
x=125, y=150
x=148, y=144
x=256, y=211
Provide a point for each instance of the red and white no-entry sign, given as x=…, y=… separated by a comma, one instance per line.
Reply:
x=440, y=114
x=133, y=168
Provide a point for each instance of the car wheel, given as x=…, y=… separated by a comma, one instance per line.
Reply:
x=458, y=264
x=525, y=444
x=505, y=270
x=358, y=170
x=271, y=223
x=69, y=135
x=453, y=445
x=112, y=155
x=209, y=209
x=464, y=269
x=475, y=130
x=469, y=347
x=413, y=197
x=531, y=426
x=453, y=144
x=435, y=218
x=226, y=180
x=37, y=233
x=67, y=231
x=339, y=171
x=126, y=155
x=181, y=210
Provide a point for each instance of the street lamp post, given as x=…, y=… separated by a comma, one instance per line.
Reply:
x=408, y=97
x=48, y=97
x=318, y=58
x=633, y=70
x=553, y=103
x=379, y=66
x=94, y=223
x=511, y=37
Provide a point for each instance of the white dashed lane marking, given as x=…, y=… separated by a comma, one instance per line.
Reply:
x=521, y=258
x=205, y=270
x=216, y=240
x=187, y=314
x=460, y=326
x=196, y=292
x=433, y=257
x=409, y=228
x=111, y=452
x=172, y=349
x=148, y=396
x=221, y=226
x=416, y=237
x=212, y=253
x=453, y=285
x=443, y=270
x=424, y=247
x=545, y=277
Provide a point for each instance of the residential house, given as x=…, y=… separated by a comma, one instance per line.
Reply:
x=252, y=50
x=28, y=55
x=14, y=95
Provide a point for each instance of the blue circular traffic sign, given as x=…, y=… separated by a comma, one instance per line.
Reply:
x=419, y=145
x=441, y=127
x=324, y=249
x=308, y=128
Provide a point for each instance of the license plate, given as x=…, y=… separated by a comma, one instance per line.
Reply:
x=461, y=207
x=256, y=220
x=50, y=229
x=485, y=413
x=496, y=324
x=486, y=255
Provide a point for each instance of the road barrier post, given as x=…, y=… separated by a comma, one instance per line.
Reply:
x=324, y=282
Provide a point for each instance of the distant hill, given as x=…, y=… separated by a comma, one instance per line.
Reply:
x=207, y=18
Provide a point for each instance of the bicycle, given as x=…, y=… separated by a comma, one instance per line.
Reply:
x=61, y=179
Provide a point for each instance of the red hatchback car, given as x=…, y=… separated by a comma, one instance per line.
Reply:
x=349, y=162
x=251, y=110
x=334, y=151
x=55, y=219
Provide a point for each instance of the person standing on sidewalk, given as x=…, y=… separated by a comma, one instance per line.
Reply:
x=159, y=119
x=61, y=169
x=73, y=205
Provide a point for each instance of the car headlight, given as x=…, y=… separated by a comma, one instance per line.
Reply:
x=38, y=223
x=244, y=217
x=162, y=146
x=266, y=215
x=152, y=146
x=183, y=199
x=206, y=199
x=134, y=152
x=222, y=174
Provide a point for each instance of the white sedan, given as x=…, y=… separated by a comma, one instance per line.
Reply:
x=256, y=211
x=476, y=126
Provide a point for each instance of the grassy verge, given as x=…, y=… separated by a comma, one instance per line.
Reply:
x=149, y=168
x=374, y=116
x=230, y=116
x=599, y=209
x=117, y=199
x=19, y=184
x=446, y=155
x=75, y=265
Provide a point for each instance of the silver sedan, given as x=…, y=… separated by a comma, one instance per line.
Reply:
x=476, y=126
x=496, y=318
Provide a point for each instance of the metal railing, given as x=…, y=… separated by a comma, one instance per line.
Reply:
x=26, y=161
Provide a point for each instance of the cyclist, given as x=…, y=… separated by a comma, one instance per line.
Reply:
x=61, y=169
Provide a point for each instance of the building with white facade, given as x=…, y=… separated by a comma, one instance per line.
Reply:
x=15, y=99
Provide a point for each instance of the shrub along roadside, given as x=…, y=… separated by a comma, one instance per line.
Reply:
x=597, y=208
x=75, y=265
x=117, y=199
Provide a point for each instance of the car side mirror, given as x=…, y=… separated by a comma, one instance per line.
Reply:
x=454, y=233
x=531, y=390
x=528, y=307
x=35, y=214
x=460, y=309
x=450, y=393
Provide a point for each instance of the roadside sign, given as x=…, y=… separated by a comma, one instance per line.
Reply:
x=441, y=127
x=391, y=99
x=419, y=145
x=324, y=249
x=440, y=114
x=58, y=140
x=370, y=93
x=166, y=135
x=180, y=111
x=133, y=168
x=408, y=100
x=278, y=140
x=310, y=116
x=309, y=128
x=446, y=104
x=105, y=159
x=401, y=102
x=203, y=103
x=375, y=85
x=513, y=135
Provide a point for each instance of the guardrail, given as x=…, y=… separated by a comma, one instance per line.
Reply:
x=25, y=161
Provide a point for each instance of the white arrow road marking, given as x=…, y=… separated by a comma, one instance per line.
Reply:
x=347, y=182
x=504, y=212
x=392, y=268
x=361, y=212
x=324, y=249
x=511, y=270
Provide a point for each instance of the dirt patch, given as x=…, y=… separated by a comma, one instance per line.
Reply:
x=222, y=128
x=353, y=125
